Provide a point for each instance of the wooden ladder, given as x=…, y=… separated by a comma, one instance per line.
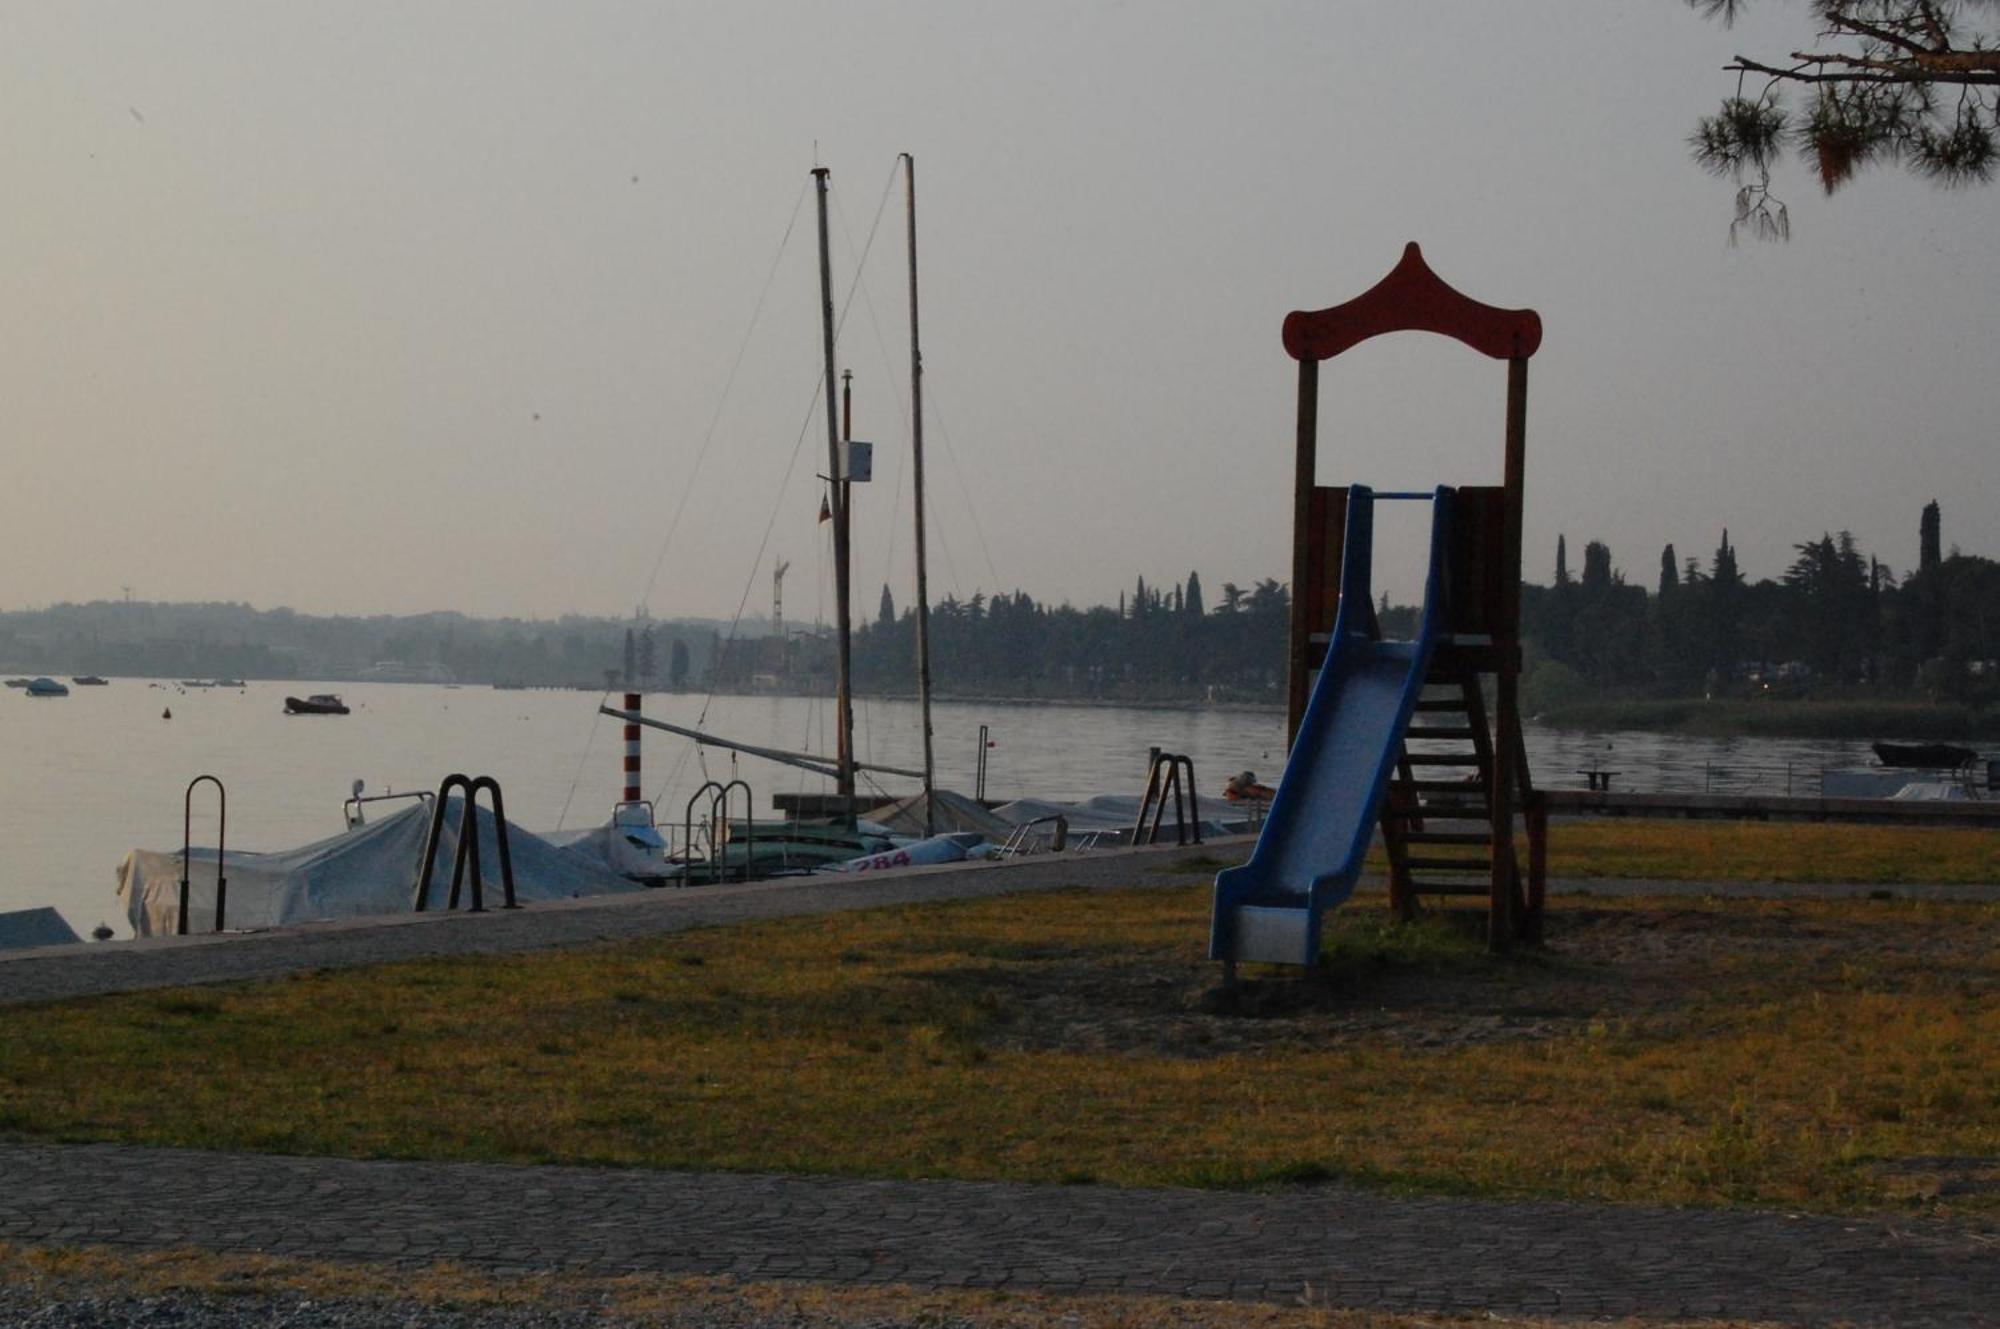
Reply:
x=1437, y=822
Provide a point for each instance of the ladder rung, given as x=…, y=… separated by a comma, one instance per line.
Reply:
x=1439, y=812
x=1442, y=758
x=1448, y=864
x=1453, y=811
x=1448, y=786
x=1441, y=733
x=1451, y=888
x=1448, y=837
x=1441, y=704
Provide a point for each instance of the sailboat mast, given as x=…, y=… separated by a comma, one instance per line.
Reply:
x=837, y=501
x=917, y=473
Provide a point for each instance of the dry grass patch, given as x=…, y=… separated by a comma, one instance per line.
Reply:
x=1820, y=1055
x=1749, y=851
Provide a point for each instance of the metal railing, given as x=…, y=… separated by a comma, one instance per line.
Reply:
x=187, y=849
x=351, y=809
x=1163, y=777
x=716, y=828
x=468, y=843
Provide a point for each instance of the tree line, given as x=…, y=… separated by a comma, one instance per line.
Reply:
x=1837, y=619
x=1159, y=642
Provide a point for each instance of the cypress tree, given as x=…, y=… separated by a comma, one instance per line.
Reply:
x=1929, y=537
x=1562, y=562
x=1670, y=574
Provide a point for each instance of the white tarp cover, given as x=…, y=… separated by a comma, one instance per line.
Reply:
x=949, y=812
x=369, y=870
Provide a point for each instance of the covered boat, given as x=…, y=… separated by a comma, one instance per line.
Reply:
x=1932, y=756
x=369, y=870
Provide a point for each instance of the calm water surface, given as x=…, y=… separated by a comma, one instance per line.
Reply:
x=92, y=775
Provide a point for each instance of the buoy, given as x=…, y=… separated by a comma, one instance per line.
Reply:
x=167, y=714
x=100, y=933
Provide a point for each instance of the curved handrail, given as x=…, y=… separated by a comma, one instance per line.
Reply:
x=687, y=831
x=723, y=801
x=468, y=843
x=187, y=843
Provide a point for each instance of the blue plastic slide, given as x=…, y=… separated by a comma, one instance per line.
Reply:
x=1324, y=813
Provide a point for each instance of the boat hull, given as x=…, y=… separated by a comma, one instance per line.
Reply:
x=1931, y=756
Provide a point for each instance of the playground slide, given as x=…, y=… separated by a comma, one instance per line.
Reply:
x=1323, y=816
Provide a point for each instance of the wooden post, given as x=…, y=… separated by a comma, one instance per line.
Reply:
x=1503, y=921
x=1538, y=866
x=1305, y=474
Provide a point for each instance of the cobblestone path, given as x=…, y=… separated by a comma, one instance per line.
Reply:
x=1318, y=1245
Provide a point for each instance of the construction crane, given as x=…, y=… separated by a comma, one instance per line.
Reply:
x=778, y=598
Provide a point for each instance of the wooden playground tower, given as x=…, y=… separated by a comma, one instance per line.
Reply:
x=1461, y=780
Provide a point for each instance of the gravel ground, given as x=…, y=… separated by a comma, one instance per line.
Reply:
x=187, y=1310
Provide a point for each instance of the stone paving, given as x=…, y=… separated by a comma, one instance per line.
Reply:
x=1322, y=1245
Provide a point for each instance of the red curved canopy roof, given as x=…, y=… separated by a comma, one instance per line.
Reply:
x=1412, y=298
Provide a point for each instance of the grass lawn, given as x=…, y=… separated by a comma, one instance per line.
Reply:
x=1817, y=1055
x=1752, y=851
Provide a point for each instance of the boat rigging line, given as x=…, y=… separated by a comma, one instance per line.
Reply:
x=804, y=760
x=694, y=472
x=822, y=386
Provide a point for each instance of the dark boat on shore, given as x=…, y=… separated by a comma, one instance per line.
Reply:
x=1931, y=756
x=320, y=703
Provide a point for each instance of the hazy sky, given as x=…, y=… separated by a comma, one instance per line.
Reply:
x=390, y=307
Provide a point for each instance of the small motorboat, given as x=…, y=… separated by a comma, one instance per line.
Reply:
x=1930, y=756
x=320, y=703
x=90, y=681
x=46, y=687
x=229, y=683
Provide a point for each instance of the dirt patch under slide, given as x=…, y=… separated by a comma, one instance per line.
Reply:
x=1661, y=971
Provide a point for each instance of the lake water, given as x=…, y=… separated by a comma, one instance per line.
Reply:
x=100, y=772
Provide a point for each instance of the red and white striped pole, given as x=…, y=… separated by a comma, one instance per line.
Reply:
x=632, y=748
